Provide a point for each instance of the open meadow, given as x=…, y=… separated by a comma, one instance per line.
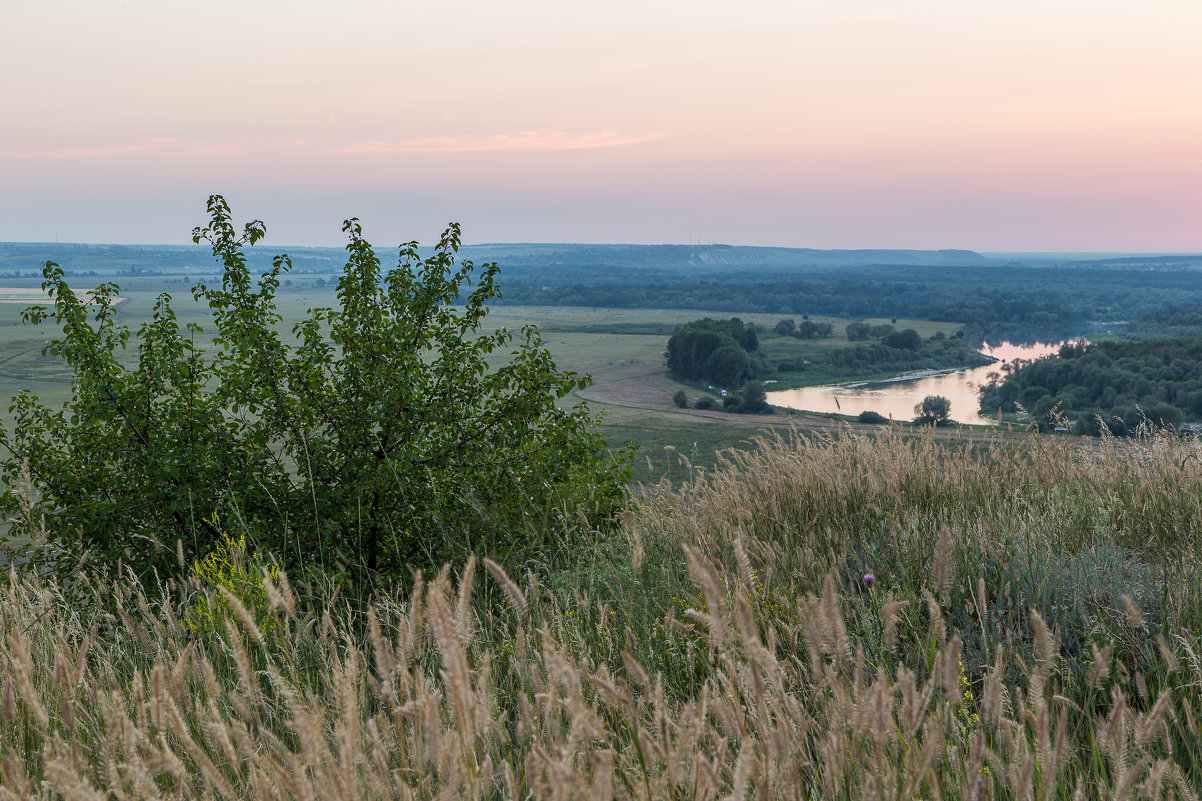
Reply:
x=829, y=618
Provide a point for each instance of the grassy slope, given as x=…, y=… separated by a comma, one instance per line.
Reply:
x=1032, y=632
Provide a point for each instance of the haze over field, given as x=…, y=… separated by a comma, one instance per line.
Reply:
x=1020, y=126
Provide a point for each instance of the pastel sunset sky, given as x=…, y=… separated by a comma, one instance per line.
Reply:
x=1057, y=125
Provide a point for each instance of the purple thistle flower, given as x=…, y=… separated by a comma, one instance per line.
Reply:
x=869, y=579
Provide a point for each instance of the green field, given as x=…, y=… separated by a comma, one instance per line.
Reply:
x=617, y=347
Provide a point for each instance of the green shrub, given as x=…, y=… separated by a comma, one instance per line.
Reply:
x=869, y=416
x=383, y=441
x=681, y=399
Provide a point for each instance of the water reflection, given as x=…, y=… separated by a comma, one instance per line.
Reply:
x=896, y=398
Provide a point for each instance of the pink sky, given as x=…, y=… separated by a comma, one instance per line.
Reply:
x=1023, y=125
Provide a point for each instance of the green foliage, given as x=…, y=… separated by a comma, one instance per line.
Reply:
x=1116, y=386
x=231, y=568
x=932, y=409
x=1016, y=303
x=755, y=399
x=906, y=339
x=1174, y=320
x=807, y=330
x=869, y=416
x=880, y=331
x=681, y=399
x=812, y=330
x=722, y=352
x=898, y=352
x=390, y=438
x=858, y=330
x=705, y=402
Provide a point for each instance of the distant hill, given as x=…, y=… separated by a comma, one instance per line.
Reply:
x=528, y=260
x=1134, y=262
x=567, y=262
x=715, y=256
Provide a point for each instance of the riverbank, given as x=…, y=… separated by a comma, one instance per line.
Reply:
x=896, y=396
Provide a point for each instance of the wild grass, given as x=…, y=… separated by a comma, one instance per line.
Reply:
x=1032, y=631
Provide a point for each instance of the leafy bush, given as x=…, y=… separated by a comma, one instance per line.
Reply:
x=869, y=416
x=382, y=442
x=705, y=402
x=681, y=399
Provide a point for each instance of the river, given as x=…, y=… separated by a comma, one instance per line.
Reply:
x=897, y=397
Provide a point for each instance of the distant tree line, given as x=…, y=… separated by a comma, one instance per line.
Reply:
x=1017, y=302
x=893, y=352
x=1119, y=385
x=1020, y=314
x=1172, y=321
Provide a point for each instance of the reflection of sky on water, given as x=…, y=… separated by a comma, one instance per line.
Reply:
x=897, y=399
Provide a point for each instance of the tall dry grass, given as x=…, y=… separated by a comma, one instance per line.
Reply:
x=1028, y=635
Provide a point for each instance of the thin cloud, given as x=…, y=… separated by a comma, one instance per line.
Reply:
x=162, y=146
x=524, y=140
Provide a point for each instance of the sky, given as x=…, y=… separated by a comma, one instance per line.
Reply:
x=1057, y=125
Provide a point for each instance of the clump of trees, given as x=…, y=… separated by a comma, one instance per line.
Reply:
x=720, y=352
x=382, y=442
x=886, y=334
x=806, y=329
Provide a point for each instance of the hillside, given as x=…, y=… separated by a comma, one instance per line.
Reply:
x=829, y=619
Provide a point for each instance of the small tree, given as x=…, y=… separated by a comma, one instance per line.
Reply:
x=755, y=399
x=858, y=330
x=681, y=399
x=934, y=409
x=383, y=441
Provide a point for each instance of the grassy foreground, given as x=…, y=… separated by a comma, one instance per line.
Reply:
x=1032, y=631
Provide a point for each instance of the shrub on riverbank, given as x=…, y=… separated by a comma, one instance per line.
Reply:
x=1030, y=630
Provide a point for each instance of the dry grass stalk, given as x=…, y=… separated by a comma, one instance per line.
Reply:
x=819, y=687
